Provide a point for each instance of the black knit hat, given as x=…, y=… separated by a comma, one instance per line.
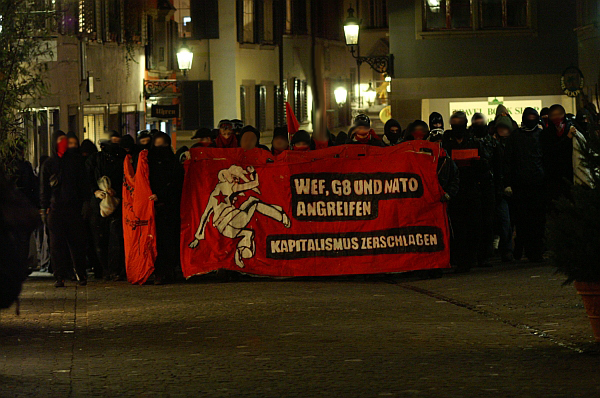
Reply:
x=300, y=136
x=252, y=129
x=202, y=133
x=280, y=132
x=362, y=120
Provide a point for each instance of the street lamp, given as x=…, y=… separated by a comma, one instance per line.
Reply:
x=184, y=58
x=382, y=63
x=370, y=94
x=340, y=94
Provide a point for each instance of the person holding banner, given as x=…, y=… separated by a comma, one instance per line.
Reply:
x=166, y=181
x=362, y=133
x=301, y=141
x=226, y=137
x=465, y=209
x=280, y=142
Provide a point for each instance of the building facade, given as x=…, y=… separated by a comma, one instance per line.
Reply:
x=474, y=54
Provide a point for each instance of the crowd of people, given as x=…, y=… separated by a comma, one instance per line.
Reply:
x=499, y=179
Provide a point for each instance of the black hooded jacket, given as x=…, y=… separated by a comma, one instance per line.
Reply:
x=63, y=181
x=166, y=177
x=435, y=118
x=108, y=162
x=393, y=138
x=523, y=164
x=557, y=154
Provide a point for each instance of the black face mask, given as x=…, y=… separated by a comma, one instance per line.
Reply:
x=458, y=131
x=530, y=124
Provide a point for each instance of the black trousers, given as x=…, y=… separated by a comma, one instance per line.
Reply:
x=109, y=244
x=530, y=219
x=167, y=242
x=465, y=212
x=486, y=240
x=67, y=243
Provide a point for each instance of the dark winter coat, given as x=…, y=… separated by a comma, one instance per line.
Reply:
x=63, y=181
x=522, y=163
x=557, y=155
x=472, y=172
x=166, y=177
x=108, y=162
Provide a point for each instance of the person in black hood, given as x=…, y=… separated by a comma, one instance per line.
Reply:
x=203, y=137
x=300, y=141
x=166, y=182
x=584, y=121
x=250, y=138
x=88, y=148
x=144, y=140
x=128, y=145
x=458, y=124
x=465, y=209
x=557, y=152
x=341, y=138
x=478, y=119
x=63, y=189
x=523, y=179
x=544, y=117
x=108, y=231
x=280, y=142
x=393, y=131
x=436, y=121
x=72, y=140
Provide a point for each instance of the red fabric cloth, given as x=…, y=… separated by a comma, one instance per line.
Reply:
x=139, y=228
x=321, y=144
x=295, y=220
x=231, y=142
x=278, y=152
x=365, y=140
x=61, y=147
x=292, y=122
x=301, y=149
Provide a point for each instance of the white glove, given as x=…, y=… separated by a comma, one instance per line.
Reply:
x=100, y=194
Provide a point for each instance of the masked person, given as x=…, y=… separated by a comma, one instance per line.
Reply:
x=322, y=140
x=392, y=131
x=341, y=138
x=478, y=119
x=63, y=189
x=144, y=140
x=251, y=138
x=280, y=142
x=362, y=132
x=203, y=138
x=544, y=116
x=465, y=209
x=525, y=185
x=89, y=150
x=128, y=145
x=115, y=137
x=108, y=231
x=166, y=182
x=417, y=130
x=503, y=129
x=436, y=121
x=226, y=137
x=557, y=150
x=300, y=141
x=237, y=126
x=490, y=185
x=584, y=121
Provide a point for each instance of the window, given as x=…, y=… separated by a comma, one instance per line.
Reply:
x=300, y=100
x=378, y=14
x=470, y=15
x=248, y=21
x=267, y=22
x=447, y=14
x=261, y=108
x=503, y=13
x=243, y=104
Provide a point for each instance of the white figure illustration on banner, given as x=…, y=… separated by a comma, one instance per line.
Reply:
x=232, y=221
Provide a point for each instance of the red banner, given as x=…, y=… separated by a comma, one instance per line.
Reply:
x=139, y=228
x=343, y=210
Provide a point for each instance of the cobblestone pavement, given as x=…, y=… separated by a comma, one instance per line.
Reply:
x=500, y=332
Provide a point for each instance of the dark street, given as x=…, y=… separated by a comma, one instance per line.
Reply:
x=505, y=331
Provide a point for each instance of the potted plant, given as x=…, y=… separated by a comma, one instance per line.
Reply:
x=574, y=232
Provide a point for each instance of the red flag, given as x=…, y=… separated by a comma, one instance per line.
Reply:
x=292, y=122
x=139, y=228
